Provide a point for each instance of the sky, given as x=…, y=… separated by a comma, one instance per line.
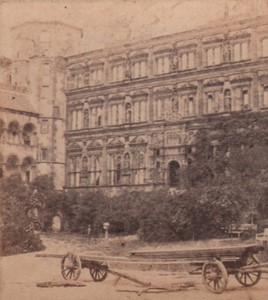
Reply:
x=110, y=22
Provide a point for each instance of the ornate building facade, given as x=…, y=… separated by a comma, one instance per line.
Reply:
x=123, y=117
x=133, y=110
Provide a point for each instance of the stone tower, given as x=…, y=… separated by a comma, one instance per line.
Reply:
x=38, y=56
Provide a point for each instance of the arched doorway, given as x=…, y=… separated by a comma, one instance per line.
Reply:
x=56, y=223
x=173, y=173
x=27, y=168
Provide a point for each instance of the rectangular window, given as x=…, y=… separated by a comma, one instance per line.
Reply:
x=46, y=69
x=159, y=109
x=210, y=104
x=116, y=115
x=117, y=73
x=265, y=47
x=56, y=111
x=74, y=119
x=96, y=76
x=162, y=65
x=213, y=56
x=45, y=80
x=241, y=51
x=44, y=154
x=139, y=69
x=191, y=106
x=44, y=126
x=187, y=61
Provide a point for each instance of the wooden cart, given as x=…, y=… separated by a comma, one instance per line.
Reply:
x=215, y=264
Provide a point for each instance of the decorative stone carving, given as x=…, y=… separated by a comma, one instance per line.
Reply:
x=157, y=139
x=138, y=140
x=213, y=38
x=187, y=85
x=189, y=43
x=94, y=144
x=164, y=48
x=174, y=58
x=163, y=90
x=226, y=52
x=139, y=93
x=74, y=146
x=263, y=73
x=77, y=66
x=173, y=138
x=213, y=81
x=140, y=53
x=118, y=96
x=240, y=33
x=115, y=142
x=94, y=63
x=173, y=116
x=128, y=67
x=241, y=77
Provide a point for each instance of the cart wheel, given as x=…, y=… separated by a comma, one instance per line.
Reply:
x=98, y=272
x=250, y=278
x=215, y=276
x=70, y=266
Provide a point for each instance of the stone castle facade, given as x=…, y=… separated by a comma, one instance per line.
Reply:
x=126, y=117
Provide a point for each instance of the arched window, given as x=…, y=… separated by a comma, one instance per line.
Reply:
x=174, y=173
x=26, y=167
x=13, y=130
x=12, y=163
x=27, y=133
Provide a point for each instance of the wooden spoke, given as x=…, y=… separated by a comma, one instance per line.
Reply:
x=214, y=276
x=249, y=279
x=99, y=272
x=70, y=266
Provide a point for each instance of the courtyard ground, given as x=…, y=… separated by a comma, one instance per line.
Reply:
x=20, y=274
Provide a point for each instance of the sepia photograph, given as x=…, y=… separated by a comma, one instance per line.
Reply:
x=133, y=149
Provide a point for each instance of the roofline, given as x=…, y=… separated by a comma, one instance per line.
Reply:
x=25, y=112
x=47, y=23
x=195, y=32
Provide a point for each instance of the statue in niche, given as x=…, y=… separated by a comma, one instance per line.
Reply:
x=227, y=100
x=84, y=164
x=128, y=67
x=227, y=53
x=174, y=59
x=127, y=162
x=128, y=113
x=174, y=103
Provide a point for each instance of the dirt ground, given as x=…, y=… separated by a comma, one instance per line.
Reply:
x=20, y=274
